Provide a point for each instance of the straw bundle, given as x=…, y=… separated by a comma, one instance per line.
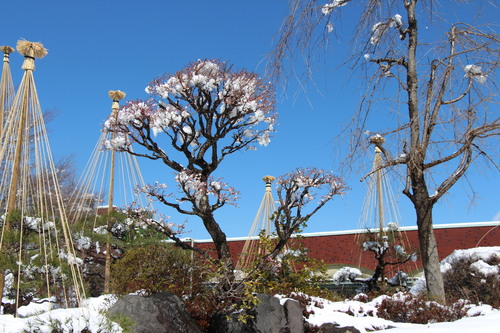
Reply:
x=116, y=95
x=30, y=51
x=7, y=49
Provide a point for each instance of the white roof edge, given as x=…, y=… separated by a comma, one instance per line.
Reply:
x=357, y=231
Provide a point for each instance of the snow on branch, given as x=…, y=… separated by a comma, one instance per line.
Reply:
x=380, y=28
x=474, y=71
x=346, y=274
x=328, y=8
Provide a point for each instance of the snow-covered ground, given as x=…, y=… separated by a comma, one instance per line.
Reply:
x=481, y=318
x=38, y=316
x=92, y=317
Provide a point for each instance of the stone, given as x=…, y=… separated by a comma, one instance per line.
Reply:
x=294, y=317
x=335, y=328
x=269, y=316
x=161, y=312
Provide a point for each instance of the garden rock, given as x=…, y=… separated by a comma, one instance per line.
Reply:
x=335, y=328
x=161, y=312
x=269, y=316
x=295, y=319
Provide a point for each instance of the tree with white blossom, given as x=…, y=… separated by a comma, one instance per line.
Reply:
x=433, y=77
x=192, y=121
x=301, y=193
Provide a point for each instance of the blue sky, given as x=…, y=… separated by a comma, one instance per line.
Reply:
x=95, y=46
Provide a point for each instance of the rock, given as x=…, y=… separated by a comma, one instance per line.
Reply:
x=269, y=316
x=335, y=328
x=294, y=317
x=162, y=312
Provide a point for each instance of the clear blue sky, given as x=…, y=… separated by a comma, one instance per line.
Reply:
x=95, y=46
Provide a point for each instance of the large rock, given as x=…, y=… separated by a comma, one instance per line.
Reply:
x=294, y=317
x=162, y=312
x=269, y=316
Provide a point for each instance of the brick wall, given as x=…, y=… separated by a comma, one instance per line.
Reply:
x=342, y=248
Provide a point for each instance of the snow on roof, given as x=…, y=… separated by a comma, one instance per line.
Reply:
x=357, y=231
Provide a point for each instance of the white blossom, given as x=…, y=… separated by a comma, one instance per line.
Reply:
x=264, y=139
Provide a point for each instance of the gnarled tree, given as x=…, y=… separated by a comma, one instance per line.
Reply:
x=439, y=83
x=192, y=122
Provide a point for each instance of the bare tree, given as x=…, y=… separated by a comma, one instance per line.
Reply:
x=204, y=112
x=441, y=87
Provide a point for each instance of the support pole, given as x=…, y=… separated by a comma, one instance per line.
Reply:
x=115, y=96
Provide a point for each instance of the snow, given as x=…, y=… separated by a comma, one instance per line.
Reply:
x=477, y=254
x=378, y=30
x=476, y=73
x=363, y=316
x=91, y=315
x=398, y=20
x=483, y=318
x=346, y=274
x=329, y=27
x=328, y=8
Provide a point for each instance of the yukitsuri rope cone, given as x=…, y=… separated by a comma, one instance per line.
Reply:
x=37, y=250
x=262, y=222
x=6, y=85
x=380, y=214
x=109, y=180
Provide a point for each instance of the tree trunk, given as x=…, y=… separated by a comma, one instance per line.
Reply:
x=220, y=240
x=218, y=236
x=107, y=268
x=429, y=250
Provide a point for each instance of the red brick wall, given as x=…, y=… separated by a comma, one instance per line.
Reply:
x=343, y=249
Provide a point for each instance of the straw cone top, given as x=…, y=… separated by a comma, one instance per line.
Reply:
x=7, y=49
x=268, y=179
x=31, y=49
x=116, y=95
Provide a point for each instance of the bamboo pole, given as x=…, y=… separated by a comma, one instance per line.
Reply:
x=378, y=160
x=6, y=85
x=115, y=96
x=30, y=51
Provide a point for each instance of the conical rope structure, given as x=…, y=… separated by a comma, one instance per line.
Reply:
x=110, y=182
x=6, y=85
x=36, y=243
x=261, y=224
x=380, y=219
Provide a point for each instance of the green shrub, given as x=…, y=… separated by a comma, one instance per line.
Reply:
x=158, y=267
x=292, y=271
